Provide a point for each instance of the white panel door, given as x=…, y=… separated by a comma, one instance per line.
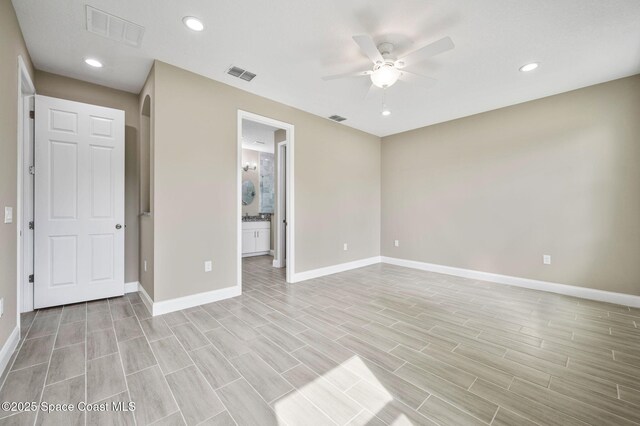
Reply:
x=79, y=202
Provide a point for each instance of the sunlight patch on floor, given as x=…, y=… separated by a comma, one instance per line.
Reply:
x=330, y=405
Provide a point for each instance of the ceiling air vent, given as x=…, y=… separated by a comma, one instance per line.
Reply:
x=337, y=118
x=240, y=73
x=113, y=27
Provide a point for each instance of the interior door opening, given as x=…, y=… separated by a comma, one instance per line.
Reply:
x=264, y=197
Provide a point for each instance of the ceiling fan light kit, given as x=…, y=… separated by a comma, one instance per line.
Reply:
x=385, y=75
x=387, y=68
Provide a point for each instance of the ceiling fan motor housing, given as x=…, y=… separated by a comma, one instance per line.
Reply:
x=386, y=50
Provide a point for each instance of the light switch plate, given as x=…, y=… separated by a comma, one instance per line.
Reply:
x=8, y=214
x=208, y=266
x=345, y=247
x=546, y=259
x=396, y=243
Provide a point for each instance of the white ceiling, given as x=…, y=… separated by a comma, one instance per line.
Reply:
x=291, y=44
x=253, y=133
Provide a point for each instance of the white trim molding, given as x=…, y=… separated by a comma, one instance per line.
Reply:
x=290, y=195
x=334, y=269
x=24, y=206
x=148, y=302
x=8, y=348
x=568, y=290
x=280, y=231
x=131, y=287
x=179, y=303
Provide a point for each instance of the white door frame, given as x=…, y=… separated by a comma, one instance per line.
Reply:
x=24, y=205
x=279, y=259
x=290, y=138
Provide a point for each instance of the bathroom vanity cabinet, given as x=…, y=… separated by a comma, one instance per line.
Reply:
x=256, y=238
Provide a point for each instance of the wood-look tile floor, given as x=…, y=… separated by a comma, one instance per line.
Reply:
x=378, y=345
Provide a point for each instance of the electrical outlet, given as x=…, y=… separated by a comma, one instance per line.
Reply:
x=546, y=259
x=145, y=266
x=8, y=214
x=396, y=243
x=345, y=247
x=208, y=266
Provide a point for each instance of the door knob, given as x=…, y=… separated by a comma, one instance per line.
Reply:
x=118, y=226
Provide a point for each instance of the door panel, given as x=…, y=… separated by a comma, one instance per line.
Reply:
x=102, y=257
x=64, y=253
x=263, y=240
x=248, y=241
x=79, y=200
x=63, y=172
x=101, y=182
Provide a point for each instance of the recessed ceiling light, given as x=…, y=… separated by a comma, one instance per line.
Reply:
x=93, y=62
x=529, y=67
x=193, y=23
x=386, y=112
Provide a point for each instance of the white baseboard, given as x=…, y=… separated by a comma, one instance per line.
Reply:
x=131, y=287
x=272, y=252
x=569, y=290
x=334, y=269
x=172, y=305
x=7, y=349
x=179, y=303
x=148, y=302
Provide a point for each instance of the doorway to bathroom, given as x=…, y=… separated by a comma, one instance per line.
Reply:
x=265, y=231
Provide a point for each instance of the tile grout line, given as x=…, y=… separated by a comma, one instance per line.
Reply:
x=299, y=393
x=126, y=383
x=192, y=362
x=175, y=400
x=44, y=384
x=166, y=417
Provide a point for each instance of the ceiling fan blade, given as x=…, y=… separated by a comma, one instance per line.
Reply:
x=346, y=75
x=426, y=52
x=411, y=77
x=372, y=89
x=368, y=46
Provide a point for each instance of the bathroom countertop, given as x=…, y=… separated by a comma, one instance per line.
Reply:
x=255, y=219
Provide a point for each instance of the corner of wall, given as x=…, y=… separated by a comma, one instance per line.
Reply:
x=146, y=155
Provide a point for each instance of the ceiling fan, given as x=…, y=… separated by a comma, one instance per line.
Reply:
x=387, y=68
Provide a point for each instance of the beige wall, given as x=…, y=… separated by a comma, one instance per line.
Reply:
x=11, y=45
x=252, y=156
x=147, y=164
x=337, y=178
x=495, y=191
x=75, y=90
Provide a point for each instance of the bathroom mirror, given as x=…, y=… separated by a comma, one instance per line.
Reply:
x=248, y=192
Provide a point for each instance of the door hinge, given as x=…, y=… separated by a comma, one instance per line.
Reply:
x=31, y=278
x=32, y=170
x=31, y=225
x=32, y=115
